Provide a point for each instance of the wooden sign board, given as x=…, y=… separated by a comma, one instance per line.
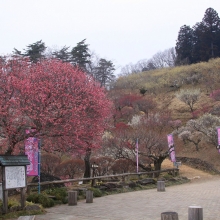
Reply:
x=15, y=177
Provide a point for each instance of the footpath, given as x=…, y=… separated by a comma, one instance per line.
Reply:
x=147, y=204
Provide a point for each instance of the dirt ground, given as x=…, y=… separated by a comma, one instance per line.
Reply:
x=190, y=173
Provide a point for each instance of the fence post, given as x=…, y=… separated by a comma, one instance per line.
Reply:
x=89, y=196
x=72, y=198
x=93, y=183
x=124, y=179
x=160, y=186
x=169, y=216
x=195, y=213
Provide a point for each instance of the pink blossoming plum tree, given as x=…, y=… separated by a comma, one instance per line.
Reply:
x=62, y=105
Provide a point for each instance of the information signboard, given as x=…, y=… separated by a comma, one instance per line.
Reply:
x=15, y=177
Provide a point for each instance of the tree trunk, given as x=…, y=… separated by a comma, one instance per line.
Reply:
x=157, y=164
x=8, y=152
x=87, y=172
x=10, y=148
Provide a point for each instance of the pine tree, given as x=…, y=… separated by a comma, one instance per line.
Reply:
x=62, y=54
x=199, y=52
x=200, y=43
x=184, y=45
x=104, y=72
x=80, y=55
x=34, y=51
x=211, y=22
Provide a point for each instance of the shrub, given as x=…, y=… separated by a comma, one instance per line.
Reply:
x=33, y=198
x=45, y=201
x=123, y=166
x=49, y=162
x=42, y=199
x=70, y=168
x=12, y=203
x=215, y=95
x=96, y=192
x=59, y=193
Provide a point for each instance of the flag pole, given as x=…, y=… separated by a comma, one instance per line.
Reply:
x=39, y=162
x=137, y=154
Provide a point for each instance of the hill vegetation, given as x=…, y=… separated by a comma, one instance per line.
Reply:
x=161, y=87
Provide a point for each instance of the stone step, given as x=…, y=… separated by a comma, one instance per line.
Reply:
x=30, y=217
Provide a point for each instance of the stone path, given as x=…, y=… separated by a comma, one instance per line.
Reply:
x=146, y=205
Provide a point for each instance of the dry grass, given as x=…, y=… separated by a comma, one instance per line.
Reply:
x=190, y=173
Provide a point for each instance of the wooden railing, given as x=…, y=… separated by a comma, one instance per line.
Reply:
x=174, y=172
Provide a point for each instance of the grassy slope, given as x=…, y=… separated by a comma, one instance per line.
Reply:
x=205, y=76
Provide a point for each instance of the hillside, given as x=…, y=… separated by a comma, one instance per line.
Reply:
x=163, y=84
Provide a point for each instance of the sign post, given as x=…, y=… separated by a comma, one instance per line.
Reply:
x=13, y=176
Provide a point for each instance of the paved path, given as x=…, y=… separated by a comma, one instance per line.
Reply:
x=146, y=205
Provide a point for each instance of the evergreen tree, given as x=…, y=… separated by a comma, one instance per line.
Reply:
x=62, y=54
x=80, y=55
x=184, y=45
x=17, y=52
x=34, y=51
x=105, y=72
x=211, y=22
x=200, y=43
x=199, y=52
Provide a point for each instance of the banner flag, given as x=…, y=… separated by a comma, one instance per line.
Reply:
x=171, y=147
x=218, y=134
x=137, y=154
x=31, y=150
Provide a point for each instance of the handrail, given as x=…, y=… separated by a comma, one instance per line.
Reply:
x=100, y=177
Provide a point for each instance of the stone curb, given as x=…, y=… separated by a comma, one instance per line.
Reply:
x=30, y=217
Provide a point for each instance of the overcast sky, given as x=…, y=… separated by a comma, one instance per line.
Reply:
x=124, y=31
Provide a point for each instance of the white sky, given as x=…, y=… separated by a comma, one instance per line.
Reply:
x=124, y=31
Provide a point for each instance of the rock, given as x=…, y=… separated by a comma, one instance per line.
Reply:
x=132, y=184
x=111, y=185
x=173, y=180
x=15, y=208
x=146, y=181
x=44, y=177
x=32, y=208
x=103, y=187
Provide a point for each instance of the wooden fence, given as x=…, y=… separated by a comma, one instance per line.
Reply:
x=124, y=176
